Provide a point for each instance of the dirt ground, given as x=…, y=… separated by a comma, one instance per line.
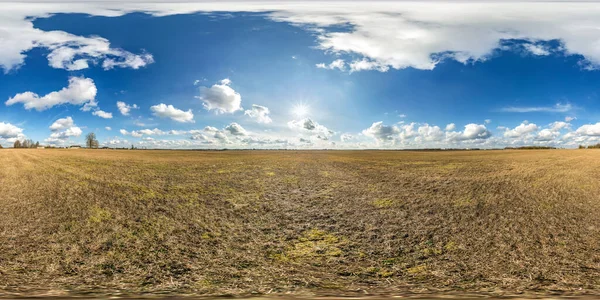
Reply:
x=107, y=222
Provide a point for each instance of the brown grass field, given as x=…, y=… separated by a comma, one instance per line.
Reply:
x=303, y=222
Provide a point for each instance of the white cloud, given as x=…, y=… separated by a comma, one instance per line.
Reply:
x=108, y=128
x=367, y=65
x=450, y=127
x=66, y=51
x=559, y=125
x=63, y=129
x=556, y=108
x=547, y=135
x=221, y=98
x=381, y=132
x=70, y=132
x=521, y=130
x=487, y=121
x=236, y=129
x=210, y=129
x=102, y=114
x=429, y=133
x=307, y=134
x=128, y=60
x=346, y=137
x=169, y=111
x=221, y=137
x=471, y=132
x=589, y=129
x=199, y=137
x=142, y=132
x=310, y=127
x=80, y=91
x=125, y=108
x=62, y=124
x=8, y=130
x=537, y=49
x=336, y=64
x=411, y=34
x=381, y=35
x=259, y=113
x=569, y=119
x=408, y=131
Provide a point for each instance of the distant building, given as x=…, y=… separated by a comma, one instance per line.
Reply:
x=75, y=147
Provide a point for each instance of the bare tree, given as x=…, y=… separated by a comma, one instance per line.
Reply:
x=91, y=141
x=17, y=144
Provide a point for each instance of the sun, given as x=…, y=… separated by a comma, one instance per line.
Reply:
x=300, y=110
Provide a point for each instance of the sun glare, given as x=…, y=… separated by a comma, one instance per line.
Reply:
x=300, y=110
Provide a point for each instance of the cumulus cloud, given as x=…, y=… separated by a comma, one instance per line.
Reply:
x=547, y=135
x=62, y=129
x=70, y=132
x=471, y=132
x=381, y=132
x=259, y=113
x=236, y=129
x=559, y=125
x=142, y=132
x=102, y=114
x=308, y=126
x=556, y=108
x=210, y=129
x=221, y=98
x=430, y=133
x=108, y=128
x=8, y=131
x=169, y=111
x=589, y=130
x=569, y=119
x=62, y=124
x=199, y=137
x=414, y=135
x=80, y=91
x=125, y=108
x=346, y=137
x=521, y=130
x=221, y=137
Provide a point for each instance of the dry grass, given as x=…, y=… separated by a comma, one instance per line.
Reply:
x=334, y=222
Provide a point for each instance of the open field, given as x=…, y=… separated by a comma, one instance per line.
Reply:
x=324, y=222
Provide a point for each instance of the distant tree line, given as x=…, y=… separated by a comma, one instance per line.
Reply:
x=26, y=144
x=90, y=141
x=529, y=148
x=597, y=146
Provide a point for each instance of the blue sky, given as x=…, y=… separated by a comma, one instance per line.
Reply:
x=235, y=75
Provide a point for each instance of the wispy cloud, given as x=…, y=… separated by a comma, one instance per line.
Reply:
x=525, y=109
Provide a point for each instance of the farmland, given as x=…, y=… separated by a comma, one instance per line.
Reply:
x=306, y=222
